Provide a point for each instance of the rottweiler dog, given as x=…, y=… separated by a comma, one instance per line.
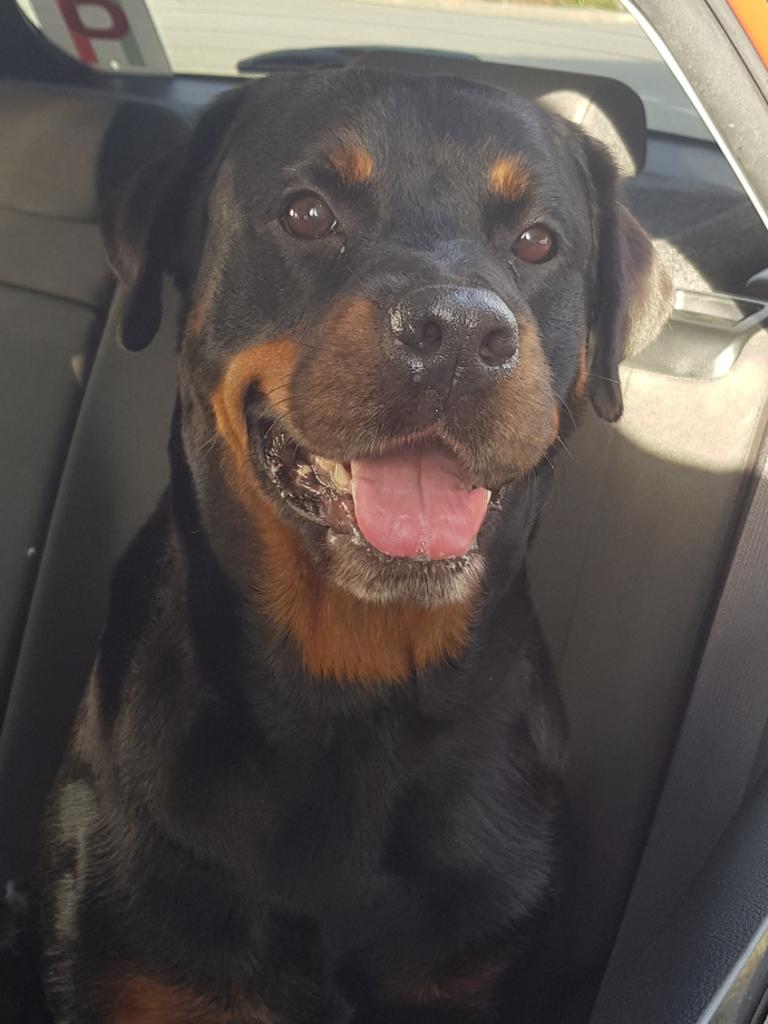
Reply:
x=317, y=774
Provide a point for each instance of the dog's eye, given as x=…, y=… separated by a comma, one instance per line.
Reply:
x=535, y=245
x=309, y=216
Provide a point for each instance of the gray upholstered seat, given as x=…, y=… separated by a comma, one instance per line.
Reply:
x=60, y=150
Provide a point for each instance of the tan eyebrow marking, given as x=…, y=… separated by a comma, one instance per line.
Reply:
x=353, y=163
x=508, y=177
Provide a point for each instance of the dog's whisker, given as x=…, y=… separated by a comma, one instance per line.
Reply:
x=277, y=423
x=208, y=445
x=568, y=451
x=276, y=389
x=567, y=408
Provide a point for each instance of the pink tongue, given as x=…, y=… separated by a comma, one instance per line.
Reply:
x=417, y=504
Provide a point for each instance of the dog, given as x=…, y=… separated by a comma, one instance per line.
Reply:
x=317, y=774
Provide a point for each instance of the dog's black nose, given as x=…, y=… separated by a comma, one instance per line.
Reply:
x=445, y=332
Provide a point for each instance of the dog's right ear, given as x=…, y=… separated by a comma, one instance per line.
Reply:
x=145, y=223
x=633, y=293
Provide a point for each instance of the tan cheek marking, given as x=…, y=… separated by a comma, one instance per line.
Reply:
x=508, y=177
x=345, y=365
x=270, y=366
x=353, y=163
x=523, y=416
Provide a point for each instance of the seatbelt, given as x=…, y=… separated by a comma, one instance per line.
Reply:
x=715, y=752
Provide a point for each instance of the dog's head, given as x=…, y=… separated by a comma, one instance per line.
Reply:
x=394, y=287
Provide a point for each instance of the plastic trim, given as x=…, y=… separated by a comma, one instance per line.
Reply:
x=711, y=123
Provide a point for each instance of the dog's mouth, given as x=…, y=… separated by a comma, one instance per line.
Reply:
x=416, y=502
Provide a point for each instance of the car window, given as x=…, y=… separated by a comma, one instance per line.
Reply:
x=592, y=36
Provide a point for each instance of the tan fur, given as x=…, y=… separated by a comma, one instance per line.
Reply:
x=136, y=999
x=471, y=985
x=579, y=389
x=508, y=178
x=268, y=365
x=198, y=312
x=353, y=163
x=341, y=637
x=521, y=412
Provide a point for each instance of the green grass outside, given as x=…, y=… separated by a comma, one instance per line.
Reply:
x=599, y=5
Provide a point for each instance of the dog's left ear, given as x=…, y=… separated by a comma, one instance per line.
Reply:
x=632, y=292
x=150, y=225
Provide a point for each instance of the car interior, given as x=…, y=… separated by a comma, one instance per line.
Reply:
x=629, y=563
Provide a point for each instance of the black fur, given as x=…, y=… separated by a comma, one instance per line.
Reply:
x=21, y=994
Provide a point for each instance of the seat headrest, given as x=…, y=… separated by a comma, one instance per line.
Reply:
x=60, y=147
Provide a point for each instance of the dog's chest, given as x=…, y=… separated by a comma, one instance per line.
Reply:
x=442, y=832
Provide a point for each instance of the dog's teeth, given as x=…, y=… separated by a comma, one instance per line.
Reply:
x=341, y=477
x=332, y=471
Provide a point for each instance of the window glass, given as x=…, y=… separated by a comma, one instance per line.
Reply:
x=597, y=37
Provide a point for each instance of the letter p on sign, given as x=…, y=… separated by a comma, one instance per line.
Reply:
x=112, y=34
